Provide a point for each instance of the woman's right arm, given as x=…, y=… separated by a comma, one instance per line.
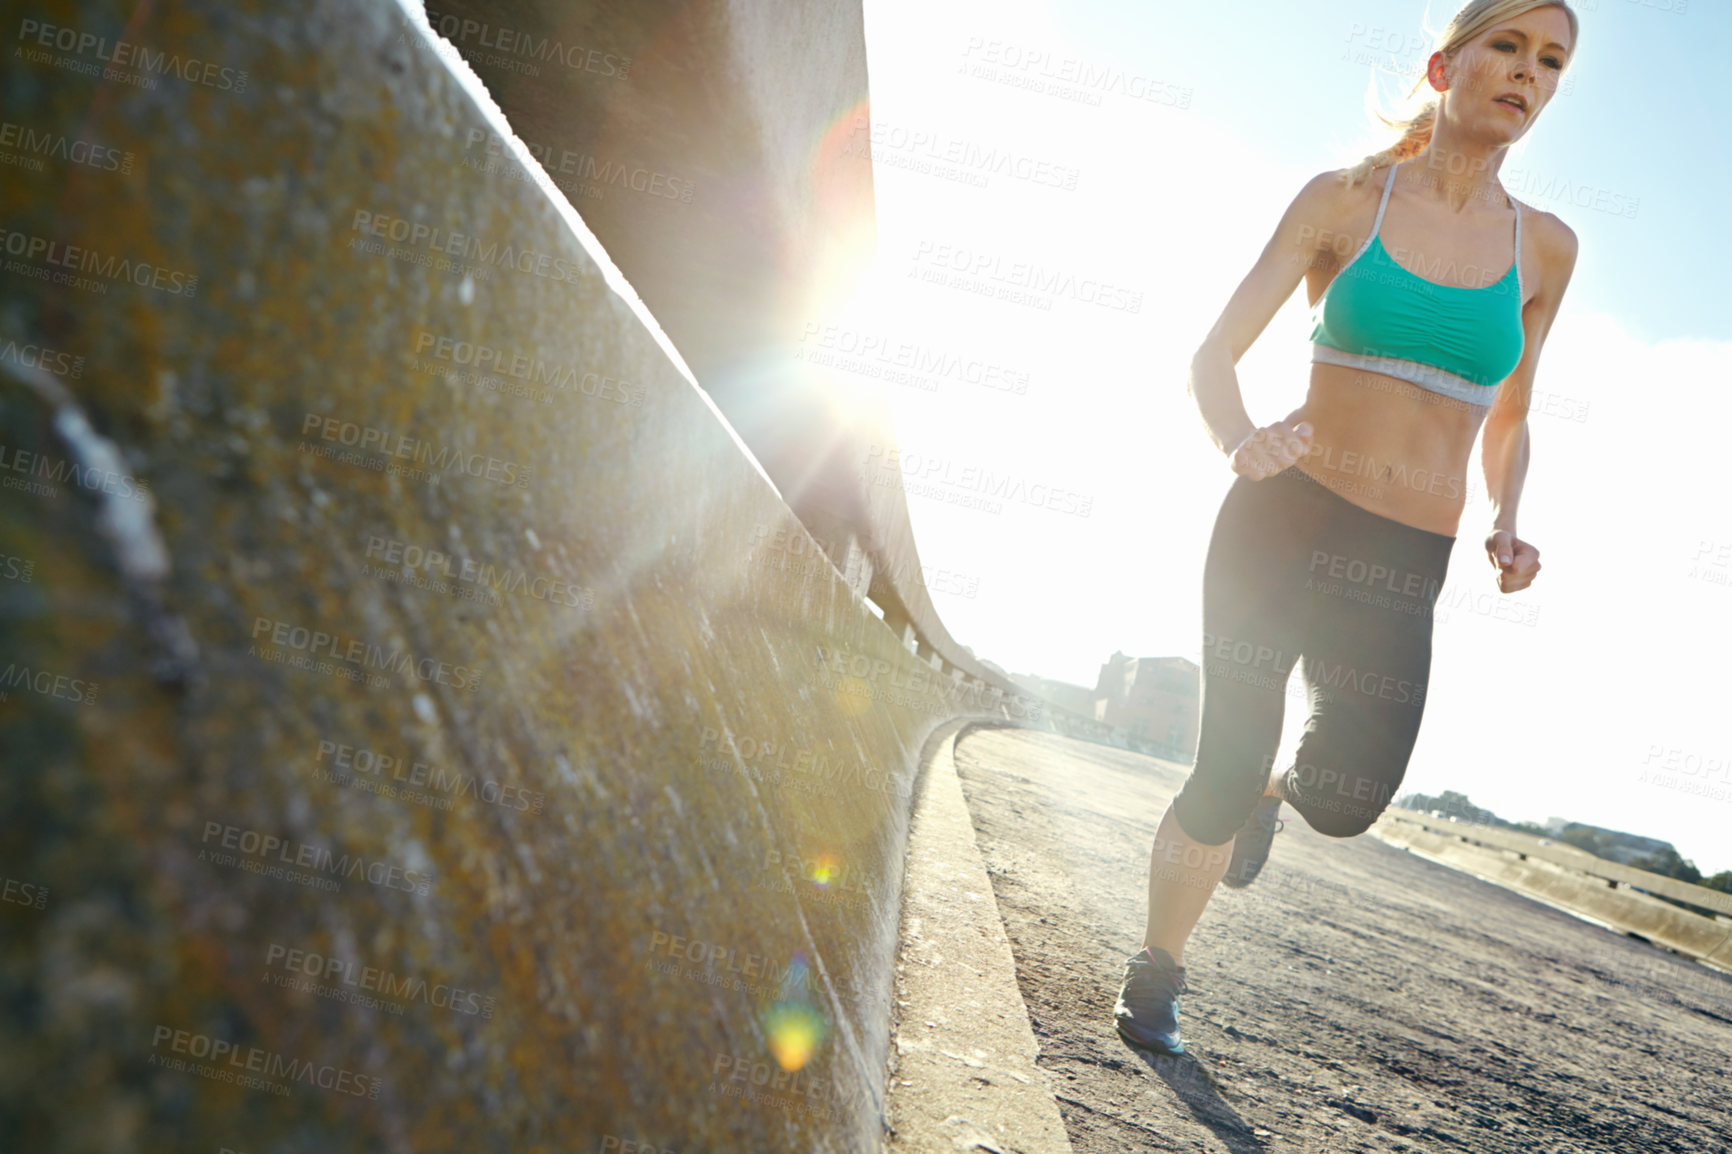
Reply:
x=1291, y=252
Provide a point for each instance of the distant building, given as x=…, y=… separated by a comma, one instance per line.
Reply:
x=1152, y=698
x=1076, y=698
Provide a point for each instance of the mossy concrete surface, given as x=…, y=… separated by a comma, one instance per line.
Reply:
x=416, y=735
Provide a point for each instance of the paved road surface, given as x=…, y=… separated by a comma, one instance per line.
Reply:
x=1355, y=998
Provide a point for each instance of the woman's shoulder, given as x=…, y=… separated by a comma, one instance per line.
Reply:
x=1347, y=186
x=1548, y=229
x=1555, y=241
x=1338, y=195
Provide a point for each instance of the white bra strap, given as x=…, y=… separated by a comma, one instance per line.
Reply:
x=1388, y=183
x=1518, y=247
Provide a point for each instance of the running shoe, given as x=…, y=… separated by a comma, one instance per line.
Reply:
x=1147, y=1011
x=1251, y=844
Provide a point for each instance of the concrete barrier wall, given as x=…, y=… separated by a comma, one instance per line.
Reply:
x=1553, y=874
x=1570, y=858
x=718, y=150
x=416, y=738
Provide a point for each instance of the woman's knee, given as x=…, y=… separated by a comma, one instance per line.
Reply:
x=1338, y=804
x=1337, y=819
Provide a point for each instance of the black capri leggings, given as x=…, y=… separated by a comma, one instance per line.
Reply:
x=1295, y=572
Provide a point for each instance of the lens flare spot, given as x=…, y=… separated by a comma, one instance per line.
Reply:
x=794, y=1026
x=795, y=1030
x=823, y=869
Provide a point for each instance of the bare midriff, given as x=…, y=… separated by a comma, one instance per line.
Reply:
x=1389, y=446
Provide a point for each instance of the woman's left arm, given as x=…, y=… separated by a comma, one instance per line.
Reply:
x=1504, y=451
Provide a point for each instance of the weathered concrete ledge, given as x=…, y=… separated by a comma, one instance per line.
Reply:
x=963, y=1071
x=1572, y=880
x=417, y=738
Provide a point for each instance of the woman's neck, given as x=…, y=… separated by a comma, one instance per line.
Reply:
x=1461, y=177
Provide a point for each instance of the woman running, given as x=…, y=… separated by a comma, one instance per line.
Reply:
x=1332, y=543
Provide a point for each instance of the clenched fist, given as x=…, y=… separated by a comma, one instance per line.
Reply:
x=1517, y=563
x=1271, y=449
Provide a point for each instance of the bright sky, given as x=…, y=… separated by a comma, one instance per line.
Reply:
x=1616, y=659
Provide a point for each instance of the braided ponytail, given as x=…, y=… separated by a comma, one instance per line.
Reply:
x=1415, y=130
x=1415, y=135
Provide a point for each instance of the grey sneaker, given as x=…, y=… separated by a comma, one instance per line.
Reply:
x=1251, y=844
x=1147, y=1011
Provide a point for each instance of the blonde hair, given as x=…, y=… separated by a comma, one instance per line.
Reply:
x=1414, y=132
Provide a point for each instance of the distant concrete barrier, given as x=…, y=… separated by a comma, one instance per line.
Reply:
x=1574, y=879
x=416, y=737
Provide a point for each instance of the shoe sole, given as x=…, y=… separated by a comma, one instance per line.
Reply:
x=1150, y=1047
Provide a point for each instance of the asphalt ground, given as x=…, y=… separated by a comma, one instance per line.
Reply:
x=1354, y=998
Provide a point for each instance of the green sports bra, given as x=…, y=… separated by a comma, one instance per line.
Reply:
x=1377, y=316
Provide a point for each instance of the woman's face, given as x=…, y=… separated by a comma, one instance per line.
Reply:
x=1501, y=79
